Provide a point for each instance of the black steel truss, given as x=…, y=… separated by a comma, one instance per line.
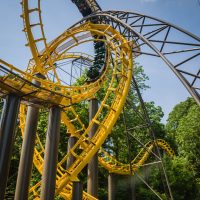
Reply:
x=178, y=48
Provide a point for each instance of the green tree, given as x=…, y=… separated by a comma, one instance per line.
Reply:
x=116, y=143
x=183, y=129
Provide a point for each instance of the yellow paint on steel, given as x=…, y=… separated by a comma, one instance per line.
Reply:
x=122, y=71
x=114, y=166
x=39, y=151
x=118, y=77
x=39, y=155
x=34, y=13
x=67, y=55
x=66, y=95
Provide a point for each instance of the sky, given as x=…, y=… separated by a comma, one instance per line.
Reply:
x=166, y=91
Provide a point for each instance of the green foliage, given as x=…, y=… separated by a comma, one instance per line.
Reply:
x=11, y=183
x=182, y=179
x=116, y=143
x=182, y=132
x=183, y=127
x=179, y=112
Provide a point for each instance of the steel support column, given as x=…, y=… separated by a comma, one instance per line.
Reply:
x=26, y=158
x=92, y=180
x=111, y=186
x=77, y=191
x=132, y=187
x=71, y=142
x=51, y=154
x=2, y=111
x=7, y=135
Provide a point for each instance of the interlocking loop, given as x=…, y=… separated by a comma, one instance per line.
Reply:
x=116, y=77
x=118, y=39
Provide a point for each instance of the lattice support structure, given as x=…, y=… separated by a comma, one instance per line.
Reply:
x=118, y=37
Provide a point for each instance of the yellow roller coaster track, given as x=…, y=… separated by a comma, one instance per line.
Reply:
x=35, y=87
x=57, y=93
x=114, y=166
x=43, y=63
x=118, y=78
x=32, y=10
x=122, y=70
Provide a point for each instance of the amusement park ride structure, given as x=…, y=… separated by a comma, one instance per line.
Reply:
x=119, y=37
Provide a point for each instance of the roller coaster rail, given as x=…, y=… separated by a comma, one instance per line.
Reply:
x=131, y=25
x=114, y=166
x=119, y=37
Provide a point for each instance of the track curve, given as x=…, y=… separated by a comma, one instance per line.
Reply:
x=114, y=166
x=118, y=87
x=109, y=29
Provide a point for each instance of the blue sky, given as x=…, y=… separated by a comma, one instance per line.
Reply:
x=165, y=90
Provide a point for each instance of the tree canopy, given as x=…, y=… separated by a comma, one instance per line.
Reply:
x=181, y=132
